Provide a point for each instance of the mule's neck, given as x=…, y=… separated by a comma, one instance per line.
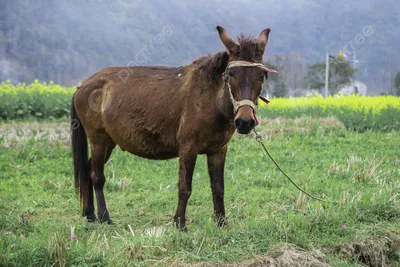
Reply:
x=213, y=69
x=223, y=102
x=208, y=74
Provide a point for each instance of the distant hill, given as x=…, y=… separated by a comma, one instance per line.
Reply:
x=66, y=41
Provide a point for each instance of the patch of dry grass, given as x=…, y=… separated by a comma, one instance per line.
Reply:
x=384, y=251
x=283, y=256
x=361, y=169
x=282, y=126
x=17, y=132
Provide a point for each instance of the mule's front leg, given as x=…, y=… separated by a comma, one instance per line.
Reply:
x=187, y=161
x=216, y=164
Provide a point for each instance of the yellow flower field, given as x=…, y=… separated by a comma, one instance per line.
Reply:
x=7, y=88
x=354, y=102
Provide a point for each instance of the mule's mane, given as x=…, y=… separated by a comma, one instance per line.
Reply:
x=249, y=49
x=213, y=65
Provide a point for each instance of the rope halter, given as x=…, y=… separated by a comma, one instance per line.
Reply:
x=225, y=77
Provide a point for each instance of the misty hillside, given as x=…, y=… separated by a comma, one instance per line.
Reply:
x=66, y=41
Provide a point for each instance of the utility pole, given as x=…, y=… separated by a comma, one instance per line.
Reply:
x=391, y=75
x=355, y=62
x=391, y=83
x=354, y=73
x=327, y=74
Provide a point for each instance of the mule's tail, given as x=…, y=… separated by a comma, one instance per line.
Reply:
x=79, y=152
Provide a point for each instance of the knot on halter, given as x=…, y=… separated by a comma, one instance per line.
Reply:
x=225, y=77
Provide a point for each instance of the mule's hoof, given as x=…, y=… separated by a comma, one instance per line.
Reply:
x=179, y=224
x=105, y=218
x=91, y=218
x=176, y=221
x=221, y=220
x=223, y=223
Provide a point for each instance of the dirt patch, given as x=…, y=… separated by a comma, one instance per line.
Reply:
x=283, y=256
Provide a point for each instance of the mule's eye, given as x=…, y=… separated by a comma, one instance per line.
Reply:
x=231, y=74
x=262, y=79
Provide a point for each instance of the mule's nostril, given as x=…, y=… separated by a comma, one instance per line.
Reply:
x=238, y=123
x=252, y=123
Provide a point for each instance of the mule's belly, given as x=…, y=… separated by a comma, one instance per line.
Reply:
x=153, y=150
x=159, y=155
x=145, y=143
x=156, y=145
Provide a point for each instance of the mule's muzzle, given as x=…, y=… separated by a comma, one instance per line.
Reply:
x=244, y=126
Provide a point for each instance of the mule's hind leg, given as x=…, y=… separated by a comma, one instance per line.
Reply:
x=100, y=154
x=87, y=198
x=88, y=202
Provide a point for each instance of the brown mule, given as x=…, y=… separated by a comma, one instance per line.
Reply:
x=164, y=112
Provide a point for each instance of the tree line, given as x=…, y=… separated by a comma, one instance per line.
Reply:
x=296, y=79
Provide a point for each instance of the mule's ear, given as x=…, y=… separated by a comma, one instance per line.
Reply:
x=230, y=45
x=263, y=38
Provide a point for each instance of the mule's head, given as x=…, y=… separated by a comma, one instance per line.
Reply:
x=245, y=81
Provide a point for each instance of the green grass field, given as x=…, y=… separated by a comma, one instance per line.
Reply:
x=269, y=220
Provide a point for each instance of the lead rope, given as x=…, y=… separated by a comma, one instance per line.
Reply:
x=259, y=139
